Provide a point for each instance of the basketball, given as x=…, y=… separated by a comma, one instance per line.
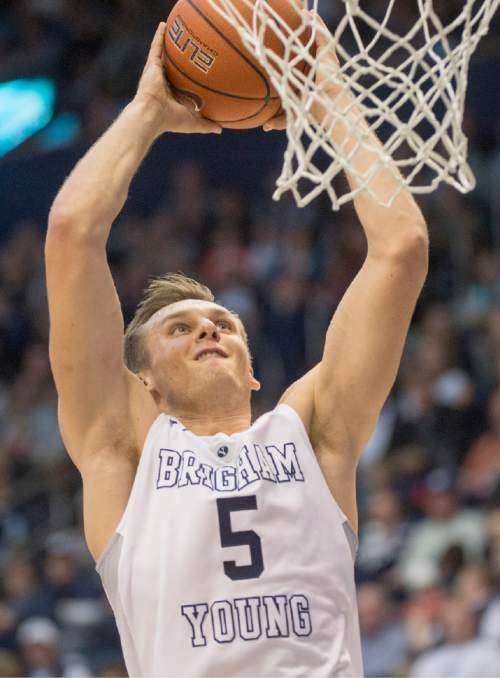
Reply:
x=206, y=61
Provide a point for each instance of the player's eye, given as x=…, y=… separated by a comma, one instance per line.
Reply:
x=179, y=328
x=223, y=324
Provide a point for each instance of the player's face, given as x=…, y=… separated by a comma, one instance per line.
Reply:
x=195, y=348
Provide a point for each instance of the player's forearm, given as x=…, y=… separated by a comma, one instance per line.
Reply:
x=388, y=229
x=96, y=190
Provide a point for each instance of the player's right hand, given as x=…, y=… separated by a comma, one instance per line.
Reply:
x=169, y=114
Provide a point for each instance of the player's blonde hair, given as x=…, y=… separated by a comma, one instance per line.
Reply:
x=160, y=292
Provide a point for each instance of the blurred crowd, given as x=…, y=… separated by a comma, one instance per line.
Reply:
x=428, y=566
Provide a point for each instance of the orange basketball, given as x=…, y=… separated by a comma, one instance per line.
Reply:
x=206, y=60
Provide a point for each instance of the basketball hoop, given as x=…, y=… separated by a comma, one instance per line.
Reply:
x=407, y=74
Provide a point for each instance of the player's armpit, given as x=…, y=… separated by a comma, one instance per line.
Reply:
x=363, y=350
x=107, y=480
x=340, y=477
x=300, y=396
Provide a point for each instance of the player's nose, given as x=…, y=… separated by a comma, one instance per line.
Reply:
x=207, y=330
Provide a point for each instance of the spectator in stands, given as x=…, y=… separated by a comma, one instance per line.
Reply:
x=42, y=654
x=446, y=523
x=483, y=346
x=23, y=592
x=474, y=587
x=283, y=323
x=433, y=398
x=480, y=471
x=65, y=577
x=28, y=416
x=490, y=622
x=38, y=639
x=382, y=535
x=492, y=520
x=14, y=529
x=8, y=625
x=264, y=257
x=422, y=618
x=462, y=653
x=483, y=293
x=10, y=666
x=225, y=256
x=383, y=640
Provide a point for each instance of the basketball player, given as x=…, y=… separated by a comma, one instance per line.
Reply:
x=226, y=547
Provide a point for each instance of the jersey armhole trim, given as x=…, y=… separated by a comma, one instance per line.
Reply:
x=100, y=562
x=352, y=538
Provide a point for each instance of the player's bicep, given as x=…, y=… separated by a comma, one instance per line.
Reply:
x=86, y=329
x=364, y=345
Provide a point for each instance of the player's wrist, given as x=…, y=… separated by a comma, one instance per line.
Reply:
x=150, y=114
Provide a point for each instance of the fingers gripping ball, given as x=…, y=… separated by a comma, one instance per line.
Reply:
x=206, y=60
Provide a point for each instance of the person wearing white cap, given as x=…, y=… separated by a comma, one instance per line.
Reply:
x=38, y=638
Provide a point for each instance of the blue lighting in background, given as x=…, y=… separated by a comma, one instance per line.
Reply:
x=26, y=106
x=63, y=130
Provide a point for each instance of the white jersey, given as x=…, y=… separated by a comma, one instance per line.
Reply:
x=232, y=558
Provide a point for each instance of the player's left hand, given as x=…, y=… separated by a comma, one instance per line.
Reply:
x=172, y=113
x=327, y=63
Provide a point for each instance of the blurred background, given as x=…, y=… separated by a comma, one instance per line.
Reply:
x=428, y=567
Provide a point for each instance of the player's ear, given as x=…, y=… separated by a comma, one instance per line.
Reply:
x=142, y=377
x=254, y=383
x=146, y=378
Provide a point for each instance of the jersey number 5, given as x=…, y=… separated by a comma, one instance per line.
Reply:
x=248, y=537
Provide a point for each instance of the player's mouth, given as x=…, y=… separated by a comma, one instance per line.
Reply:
x=207, y=353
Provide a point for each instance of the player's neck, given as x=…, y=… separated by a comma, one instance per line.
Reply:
x=210, y=423
x=210, y=408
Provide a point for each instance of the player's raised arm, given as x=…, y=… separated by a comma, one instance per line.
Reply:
x=365, y=339
x=96, y=393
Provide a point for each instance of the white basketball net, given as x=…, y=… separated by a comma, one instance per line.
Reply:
x=407, y=71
